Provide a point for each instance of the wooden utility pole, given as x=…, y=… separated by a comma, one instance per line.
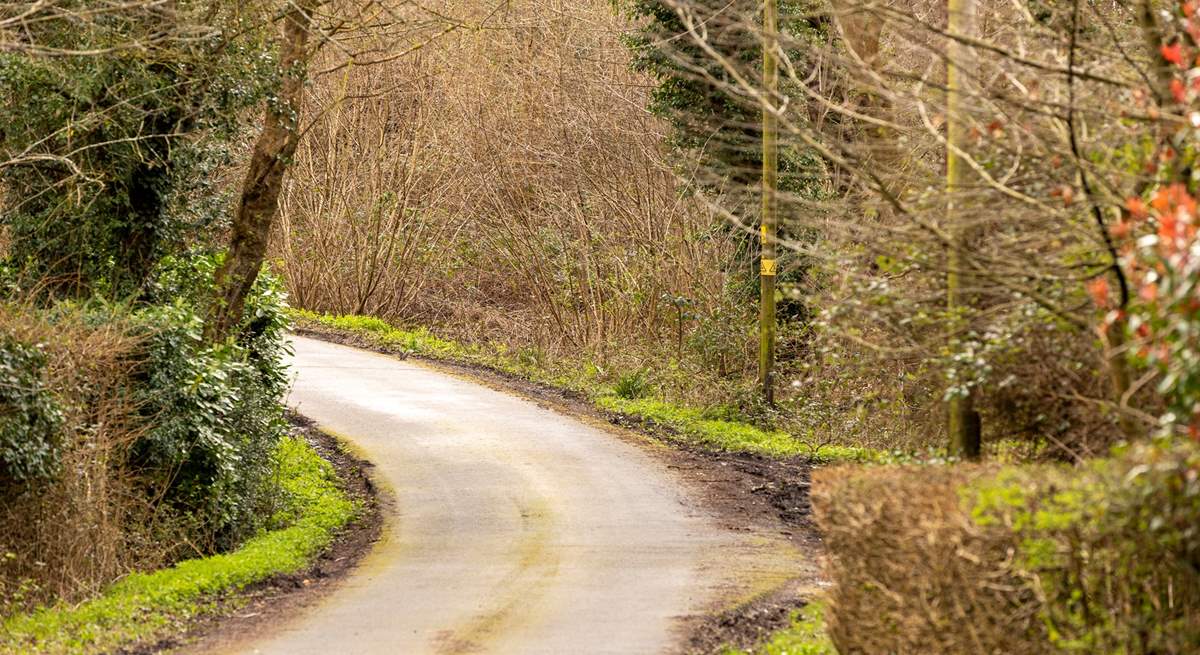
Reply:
x=962, y=421
x=770, y=184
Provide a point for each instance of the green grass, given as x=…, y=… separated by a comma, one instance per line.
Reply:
x=729, y=435
x=419, y=341
x=805, y=636
x=630, y=396
x=144, y=607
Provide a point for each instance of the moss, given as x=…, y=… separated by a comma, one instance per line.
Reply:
x=144, y=607
x=805, y=636
x=992, y=499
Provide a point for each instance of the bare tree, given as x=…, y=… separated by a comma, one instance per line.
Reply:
x=1028, y=111
x=358, y=34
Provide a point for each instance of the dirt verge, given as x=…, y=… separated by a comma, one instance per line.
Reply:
x=745, y=492
x=271, y=601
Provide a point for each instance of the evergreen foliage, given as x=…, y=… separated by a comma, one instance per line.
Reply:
x=103, y=154
x=29, y=415
x=720, y=126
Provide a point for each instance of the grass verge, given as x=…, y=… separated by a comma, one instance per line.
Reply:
x=144, y=607
x=805, y=636
x=696, y=426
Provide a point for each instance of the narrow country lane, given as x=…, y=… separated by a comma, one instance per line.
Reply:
x=515, y=529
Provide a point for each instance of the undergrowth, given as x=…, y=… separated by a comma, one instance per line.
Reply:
x=720, y=429
x=145, y=606
x=127, y=441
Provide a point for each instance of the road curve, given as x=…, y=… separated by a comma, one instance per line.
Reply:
x=515, y=529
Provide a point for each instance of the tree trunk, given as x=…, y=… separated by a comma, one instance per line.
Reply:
x=273, y=152
x=963, y=420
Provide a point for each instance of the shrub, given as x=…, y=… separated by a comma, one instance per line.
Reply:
x=143, y=607
x=912, y=573
x=212, y=411
x=1166, y=315
x=165, y=441
x=80, y=523
x=1158, y=236
x=30, y=418
x=1023, y=559
x=1112, y=552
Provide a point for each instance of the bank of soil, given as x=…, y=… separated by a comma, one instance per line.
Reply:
x=744, y=492
x=272, y=601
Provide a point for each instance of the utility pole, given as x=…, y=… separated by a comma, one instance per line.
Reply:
x=962, y=423
x=770, y=184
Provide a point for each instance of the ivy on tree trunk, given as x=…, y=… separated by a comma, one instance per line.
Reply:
x=272, y=154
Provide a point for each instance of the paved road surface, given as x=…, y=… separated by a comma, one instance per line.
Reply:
x=515, y=529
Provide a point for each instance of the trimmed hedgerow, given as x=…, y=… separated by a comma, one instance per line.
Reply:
x=1103, y=559
x=129, y=442
x=1111, y=552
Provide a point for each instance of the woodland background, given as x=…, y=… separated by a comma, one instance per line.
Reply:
x=988, y=211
